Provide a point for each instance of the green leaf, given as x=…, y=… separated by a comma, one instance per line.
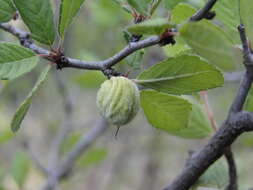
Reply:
x=182, y=117
x=20, y=168
x=182, y=12
x=248, y=106
x=24, y=107
x=227, y=14
x=5, y=135
x=38, y=16
x=135, y=59
x=7, y=10
x=210, y=42
x=68, y=11
x=171, y=112
x=93, y=156
x=246, y=7
x=177, y=49
x=141, y=6
x=198, y=123
x=216, y=176
x=170, y=4
x=89, y=79
x=70, y=142
x=184, y=74
x=151, y=27
x=15, y=60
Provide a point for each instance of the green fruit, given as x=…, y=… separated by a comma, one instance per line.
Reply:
x=118, y=100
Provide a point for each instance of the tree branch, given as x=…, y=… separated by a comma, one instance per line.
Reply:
x=25, y=40
x=232, y=170
x=64, y=168
x=202, y=13
x=216, y=147
x=86, y=141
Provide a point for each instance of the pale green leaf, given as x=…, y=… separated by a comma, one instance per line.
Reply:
x=89, y=79
x=212, y=43
x=141, y=6
x=20, y=168
x=171, y=112
x=246, y=7
x=15, y=60
x=68, y=11
x=93, y=156
x=5, y=135
x=227, y=15
x=151, y=27
x=135, y=60
x=181, y=75
x=216, y=176
x=38, y=16
x=198, y=123
x=24, y=107
x=177, y=49
x=7, y=10
x=170, y=4
x=182, y=12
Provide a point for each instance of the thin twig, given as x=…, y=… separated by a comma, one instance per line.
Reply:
x=66, y=125
x=85, y=142
x=25, y=40
x=232, y=170
x=208, y=109
x=203, y=11
x=34, y=158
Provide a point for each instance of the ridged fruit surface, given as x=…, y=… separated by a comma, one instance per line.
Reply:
x=118, y=100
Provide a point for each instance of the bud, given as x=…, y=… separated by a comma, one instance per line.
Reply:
x=118, y=100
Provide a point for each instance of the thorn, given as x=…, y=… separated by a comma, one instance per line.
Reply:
x=117, y=131
x=43, y=55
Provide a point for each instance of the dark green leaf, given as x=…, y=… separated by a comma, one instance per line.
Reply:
x=181, y=75
x=246, y=7
x=7, y=10
x=24, y=107
x=151, y=27
x=20, y=168
x=15, y=60
x=210, y=42
x=68, y=11
x=38, y=16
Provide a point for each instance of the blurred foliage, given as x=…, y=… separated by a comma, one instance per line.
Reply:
x=20, y=168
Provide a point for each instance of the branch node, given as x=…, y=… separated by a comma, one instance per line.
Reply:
x=168, y=37
x=110, y=72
